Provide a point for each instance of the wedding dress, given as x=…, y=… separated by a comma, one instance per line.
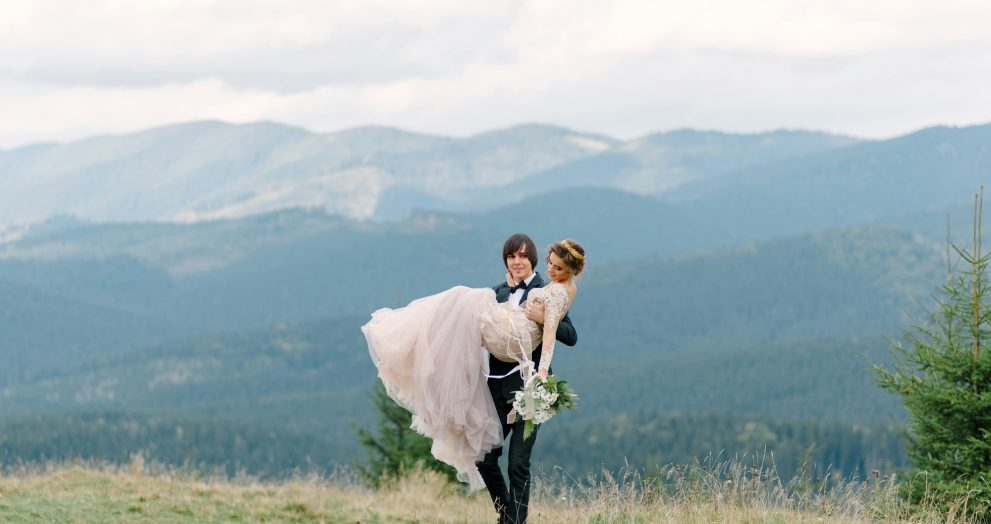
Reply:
x=430, y=359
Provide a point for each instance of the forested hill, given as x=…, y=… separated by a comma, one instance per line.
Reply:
x=650, y=440
x=851, y=282
x=775, y=331
x=643, y=441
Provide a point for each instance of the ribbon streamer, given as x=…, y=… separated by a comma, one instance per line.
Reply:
x=524, y=367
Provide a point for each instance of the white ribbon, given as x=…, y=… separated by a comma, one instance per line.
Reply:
x=525, y=364
x=525, y=367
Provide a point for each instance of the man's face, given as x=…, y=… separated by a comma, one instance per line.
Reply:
x=519, y=265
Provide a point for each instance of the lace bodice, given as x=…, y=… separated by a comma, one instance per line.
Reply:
x=510, y=336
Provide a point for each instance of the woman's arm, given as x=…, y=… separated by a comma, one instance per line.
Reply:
x=547, y=352
x=554, y=312
x=566, y=333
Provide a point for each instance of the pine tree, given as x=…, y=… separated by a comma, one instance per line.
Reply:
x=396, y=449
x=943, y=375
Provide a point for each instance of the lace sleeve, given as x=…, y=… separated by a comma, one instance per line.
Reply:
x=555, y=306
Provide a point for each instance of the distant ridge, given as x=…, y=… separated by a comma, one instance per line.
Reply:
x=931, y=168
x=209, y=169
x=662, y=161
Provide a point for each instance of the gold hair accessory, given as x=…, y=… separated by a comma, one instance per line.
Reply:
x=574, y=252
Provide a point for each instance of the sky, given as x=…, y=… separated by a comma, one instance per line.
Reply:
x=624, y=68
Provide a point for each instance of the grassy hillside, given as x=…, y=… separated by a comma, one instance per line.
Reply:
x=691, y=495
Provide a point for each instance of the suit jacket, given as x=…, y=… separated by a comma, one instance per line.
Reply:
x=566, y=335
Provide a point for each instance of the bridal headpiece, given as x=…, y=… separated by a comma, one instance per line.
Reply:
x=574, y=252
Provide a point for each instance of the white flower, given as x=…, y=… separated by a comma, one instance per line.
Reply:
x=534, y=402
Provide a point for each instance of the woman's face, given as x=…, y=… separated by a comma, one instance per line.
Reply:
x=557, y=269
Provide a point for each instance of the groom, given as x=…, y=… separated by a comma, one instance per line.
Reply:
x=519, y=253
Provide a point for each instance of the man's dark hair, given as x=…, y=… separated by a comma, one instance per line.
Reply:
x=514, y=243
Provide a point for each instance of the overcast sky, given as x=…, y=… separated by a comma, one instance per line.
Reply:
x=876, y=68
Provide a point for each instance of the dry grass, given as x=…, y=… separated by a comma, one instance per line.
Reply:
x=725, y=493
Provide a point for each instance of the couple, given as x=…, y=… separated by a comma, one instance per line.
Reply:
x=429, y=358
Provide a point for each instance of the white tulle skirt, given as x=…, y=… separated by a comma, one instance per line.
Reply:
x=429, y=356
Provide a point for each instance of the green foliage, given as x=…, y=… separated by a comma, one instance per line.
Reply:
x=943, y=375
x=397, y=448
x=565, y=398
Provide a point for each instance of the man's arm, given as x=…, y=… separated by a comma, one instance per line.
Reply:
x=566, y=333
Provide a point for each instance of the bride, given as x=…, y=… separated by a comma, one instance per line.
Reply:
x=428, y=357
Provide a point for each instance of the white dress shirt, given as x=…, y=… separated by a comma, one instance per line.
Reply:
x=517, y=296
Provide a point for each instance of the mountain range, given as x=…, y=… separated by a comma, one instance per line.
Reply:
x=220, y=272
x=206, y=170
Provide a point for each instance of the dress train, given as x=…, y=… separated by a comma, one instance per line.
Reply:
x=429, y=356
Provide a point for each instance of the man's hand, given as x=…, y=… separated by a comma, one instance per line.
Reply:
x=535, y=311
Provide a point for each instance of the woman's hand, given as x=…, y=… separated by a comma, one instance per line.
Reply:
x=509, y=279
x=542, y=374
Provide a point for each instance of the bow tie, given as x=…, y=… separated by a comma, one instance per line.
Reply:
x=520, y=286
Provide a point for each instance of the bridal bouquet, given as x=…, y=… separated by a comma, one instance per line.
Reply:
x=539, y=400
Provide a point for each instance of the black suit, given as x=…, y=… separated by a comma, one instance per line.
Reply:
x=512, y=503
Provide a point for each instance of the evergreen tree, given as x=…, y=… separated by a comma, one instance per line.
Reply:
x=397, y=448
x=943, y=375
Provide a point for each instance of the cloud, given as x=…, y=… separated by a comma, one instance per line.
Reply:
x=70, y=69
x=286, y=46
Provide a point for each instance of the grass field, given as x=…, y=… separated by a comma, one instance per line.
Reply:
x=135, y=493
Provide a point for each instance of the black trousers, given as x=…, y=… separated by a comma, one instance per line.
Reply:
x=512, y=503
